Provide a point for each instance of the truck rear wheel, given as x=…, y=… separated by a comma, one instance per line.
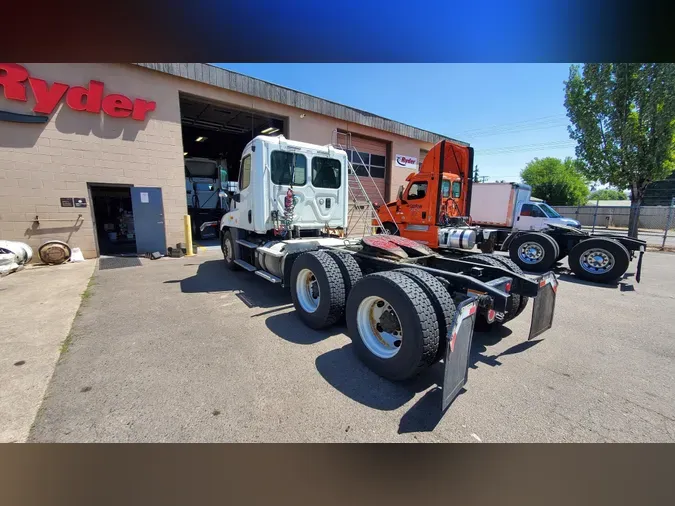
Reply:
x=351, y=272
x=317, y=289
x=514, y=300
x=227, y=246
x=443, y=304
x=601, y=260
x=393, y=325
x=534, y=251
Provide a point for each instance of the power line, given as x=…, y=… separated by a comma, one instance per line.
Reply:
x=525, y=148
x=541, y=120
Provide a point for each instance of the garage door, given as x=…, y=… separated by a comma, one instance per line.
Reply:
x=370, y=154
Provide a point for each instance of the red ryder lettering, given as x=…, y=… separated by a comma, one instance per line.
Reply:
x=15, y=79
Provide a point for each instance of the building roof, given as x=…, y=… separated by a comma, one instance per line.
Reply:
x=233, y=81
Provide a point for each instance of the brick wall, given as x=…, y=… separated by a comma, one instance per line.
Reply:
x=39, y=163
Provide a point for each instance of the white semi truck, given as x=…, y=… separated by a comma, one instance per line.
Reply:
x=405, y=306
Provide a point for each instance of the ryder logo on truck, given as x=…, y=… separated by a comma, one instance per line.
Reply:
x=16, y=82
x=406, y=161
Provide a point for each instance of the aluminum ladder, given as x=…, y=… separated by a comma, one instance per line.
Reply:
x=361, y=211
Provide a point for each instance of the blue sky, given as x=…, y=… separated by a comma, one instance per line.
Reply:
x=505, y=111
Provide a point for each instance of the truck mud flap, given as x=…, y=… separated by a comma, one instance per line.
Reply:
x=544, y=305
x=638, y=274
x=458, y=351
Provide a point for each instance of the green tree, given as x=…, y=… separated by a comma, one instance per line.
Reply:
x=623, y=119
x=556, y=181
x=607, y=194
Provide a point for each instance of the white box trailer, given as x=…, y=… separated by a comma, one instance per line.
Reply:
x=497, y=204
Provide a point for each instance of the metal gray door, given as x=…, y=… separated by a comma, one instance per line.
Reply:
x=148, y=220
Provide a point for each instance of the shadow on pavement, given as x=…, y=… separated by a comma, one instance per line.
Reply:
x=290, y=328
x=342, y=369
x=214, y=277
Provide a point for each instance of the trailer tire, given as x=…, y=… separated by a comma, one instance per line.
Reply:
x=513, y=267
x=413, y=315
x=227, y=247
x=514, y=300
x=443, y=304
x=317, y=289
x=546, y=249
x=608, y=251
x=351, y=272
x=391, y=228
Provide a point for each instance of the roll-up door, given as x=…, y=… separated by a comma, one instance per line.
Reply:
x=369, y=154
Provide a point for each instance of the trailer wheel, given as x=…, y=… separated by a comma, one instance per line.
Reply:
x=390, y=228
x=534, y=251
x=227, y=246
x=317, y=289
x=393, y=325
x=601, y=260
x=514, y=300
x=351, y=272
x=443, y=304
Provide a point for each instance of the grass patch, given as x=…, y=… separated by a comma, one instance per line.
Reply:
x=86, y=295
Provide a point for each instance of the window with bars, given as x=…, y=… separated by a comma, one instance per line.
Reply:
x=363, y=162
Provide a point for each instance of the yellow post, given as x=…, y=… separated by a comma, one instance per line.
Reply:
x=188, y=235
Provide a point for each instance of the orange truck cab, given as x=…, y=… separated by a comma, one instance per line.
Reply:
x=435, y=198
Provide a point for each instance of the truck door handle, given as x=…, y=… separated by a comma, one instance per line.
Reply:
x=518, y=218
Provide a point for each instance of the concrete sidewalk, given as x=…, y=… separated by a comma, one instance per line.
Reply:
x=37, y=308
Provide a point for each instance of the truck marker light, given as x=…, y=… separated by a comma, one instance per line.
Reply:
x=507, y=287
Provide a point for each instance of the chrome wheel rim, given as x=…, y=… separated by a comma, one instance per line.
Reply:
x=597, y=261
x=531, y=252
x=307, y=290
x=379, y=327
x=227, y=250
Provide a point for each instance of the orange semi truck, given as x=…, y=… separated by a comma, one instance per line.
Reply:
x=442, y=208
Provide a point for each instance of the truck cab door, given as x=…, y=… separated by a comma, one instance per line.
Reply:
x=241, y=214
x=530, y=217
x=418, y=216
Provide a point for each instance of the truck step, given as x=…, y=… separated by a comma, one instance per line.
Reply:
x=269, y=277
x=247, y=244
x=245, y=265
x=271, y=252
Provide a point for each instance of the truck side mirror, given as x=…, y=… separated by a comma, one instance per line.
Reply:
x=399, y=196
x=236, y=197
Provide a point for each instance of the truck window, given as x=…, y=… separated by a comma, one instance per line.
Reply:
x=417, y=190
x=287, y=166
x=549, y=211
x=456, y=189
x=325, y=172
x=526, y=210
x=445, y=189
x=245, y=173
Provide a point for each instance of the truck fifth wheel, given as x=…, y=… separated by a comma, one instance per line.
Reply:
x=406, y=307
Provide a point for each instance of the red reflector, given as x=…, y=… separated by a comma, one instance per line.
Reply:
x=472, y=310
x=491, y=315
x=542, y=282
x=507, y=288
x=452, y=342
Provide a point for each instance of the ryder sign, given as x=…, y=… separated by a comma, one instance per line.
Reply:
x=15, y=82
x=408, y=162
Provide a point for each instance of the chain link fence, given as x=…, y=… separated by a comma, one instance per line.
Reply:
x=656, y=224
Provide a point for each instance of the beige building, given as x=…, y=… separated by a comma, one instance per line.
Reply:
x=80, y=142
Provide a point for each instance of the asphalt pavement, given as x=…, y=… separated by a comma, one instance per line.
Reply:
x=184, y=350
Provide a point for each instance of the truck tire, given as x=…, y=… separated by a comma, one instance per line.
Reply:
x=227, y=247
x=534, y=251
x=351, y=272
x=393, y=325
x=600, y=260
x=511, y=265
x=514, y=300
x=443, y=304
x=317, y=289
